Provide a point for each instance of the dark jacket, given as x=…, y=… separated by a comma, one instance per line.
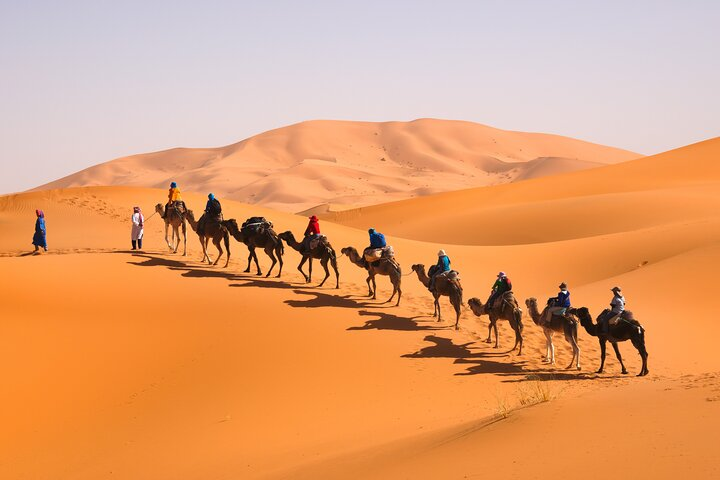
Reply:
x=563, y=299
x=213, y=207
x=502, y=285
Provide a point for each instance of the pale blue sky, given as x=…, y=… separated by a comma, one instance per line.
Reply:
x=85, y=82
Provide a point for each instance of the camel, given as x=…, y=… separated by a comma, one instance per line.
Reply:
x=323, y=252
x=266, y=239
x=443, y=286
x=384, y=266
x=215, y=231
x=508, y=310
x=557, y=324
x=620, y=332
x=177, y=220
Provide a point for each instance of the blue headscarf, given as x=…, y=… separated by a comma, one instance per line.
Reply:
x=173, y=185
x=211, y=196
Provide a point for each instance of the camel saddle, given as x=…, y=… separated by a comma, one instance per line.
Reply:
x=374, y=254
x=179, y=207
x=314, y=242
x=450, y=275
x=255, y=225
x=505, y=297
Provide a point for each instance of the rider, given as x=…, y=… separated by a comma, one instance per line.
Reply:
x=173, y=196
x=501, y=285
x=617, y=307
x=559, y=304
x=312, y=231
x=213, y=210
x=377, y=239
x=442, y=266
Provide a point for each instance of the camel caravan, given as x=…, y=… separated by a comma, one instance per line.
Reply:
x=613, y=325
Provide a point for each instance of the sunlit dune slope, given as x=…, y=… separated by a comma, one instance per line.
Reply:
x=677, y=186
x=352, y=163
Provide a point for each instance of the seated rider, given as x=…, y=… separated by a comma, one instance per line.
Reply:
x=213, y=211
x=558, y=305
x=501, y=285
x=617, y=307
x=174, y=198
x=311, y=232
x=377, y=240
x=442, y=266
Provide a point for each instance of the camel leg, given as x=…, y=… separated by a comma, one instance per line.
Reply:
x=490, y=325
x=437, y=308
x=399, y=290
x=497, y=337
x=279, y=257
x=176, y=238
x=639, y=343
x=247, y=270
x=269, y=252
x=374, y=286
x=370, y=291
x=603, y=348
x=310, y=259
x=216, y=242
x=167, y=225
x=619, y=357
x=518, y=338
x=299, y=267
x=333, y=262
x=549, y=353
x=324, y=263
x=576, y=352
x=456, y=304
x=257, y=263
x=206, y=246
x=184, y=232
x=226, y=239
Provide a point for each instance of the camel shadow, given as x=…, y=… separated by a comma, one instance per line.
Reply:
x=386, y=321
x=484, y=365
x=321, y=299
x=442, y=348
x=262, y=283
x=154, y=261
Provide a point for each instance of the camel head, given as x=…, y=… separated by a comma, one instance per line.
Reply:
x=287, y=236
x=159, y=208
x=346, y=251
x=190, y=215
x=476, y=306
x=232, y=228
x=418, y=268
x=531, y=303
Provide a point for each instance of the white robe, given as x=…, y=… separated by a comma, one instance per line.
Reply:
x=137, y=230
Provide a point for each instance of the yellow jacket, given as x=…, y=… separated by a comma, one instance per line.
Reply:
x=174, y=195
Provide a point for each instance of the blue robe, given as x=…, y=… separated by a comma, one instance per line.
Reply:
x=39, y=237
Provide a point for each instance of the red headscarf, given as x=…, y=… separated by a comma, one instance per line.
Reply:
x=40, y=213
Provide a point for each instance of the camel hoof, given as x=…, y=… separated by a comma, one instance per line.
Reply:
x=488, y=341
x=624, y=372
x=496, y=346
x=599, y=371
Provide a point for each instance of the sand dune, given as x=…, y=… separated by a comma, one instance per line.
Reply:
x=151, y=365
x=672, y=187
x=344, y=163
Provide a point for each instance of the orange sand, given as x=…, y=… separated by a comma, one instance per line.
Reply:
x=154, y=366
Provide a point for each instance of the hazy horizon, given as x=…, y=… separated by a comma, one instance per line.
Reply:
x=86, y=82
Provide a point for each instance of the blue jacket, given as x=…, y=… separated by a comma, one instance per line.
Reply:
x=563, y=299
x=377, y=240
x=443, y=264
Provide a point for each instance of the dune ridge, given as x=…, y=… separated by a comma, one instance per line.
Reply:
x=350, y=164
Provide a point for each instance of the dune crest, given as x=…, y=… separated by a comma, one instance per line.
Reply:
x=344, y=163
